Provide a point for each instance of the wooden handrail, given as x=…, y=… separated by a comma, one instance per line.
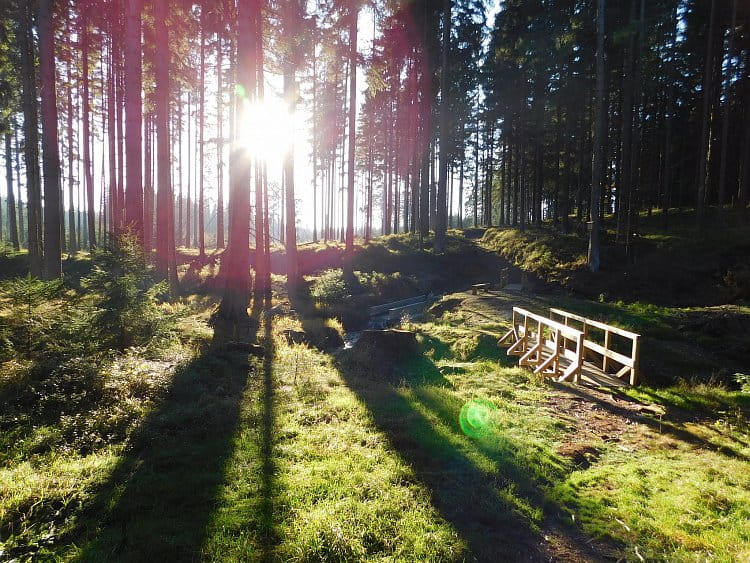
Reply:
x=596, y=324
x=533, y=349
x=629, y=363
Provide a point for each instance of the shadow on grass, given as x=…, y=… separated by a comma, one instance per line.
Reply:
x=157, y=503
x=669, y=424
x=490, y=488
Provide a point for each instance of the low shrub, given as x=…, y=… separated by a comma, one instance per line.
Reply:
x=330, y=287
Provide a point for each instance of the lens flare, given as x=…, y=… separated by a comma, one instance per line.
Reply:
x=266, y=128
x=476, y=417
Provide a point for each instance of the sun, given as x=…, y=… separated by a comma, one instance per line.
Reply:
x=265, y=128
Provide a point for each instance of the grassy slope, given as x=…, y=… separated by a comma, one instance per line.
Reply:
x=307, y=456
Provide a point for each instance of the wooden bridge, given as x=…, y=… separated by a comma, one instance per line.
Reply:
x=569, y=347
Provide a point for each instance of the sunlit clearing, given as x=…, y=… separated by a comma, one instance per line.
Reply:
x=476, y=417
x=265, y=128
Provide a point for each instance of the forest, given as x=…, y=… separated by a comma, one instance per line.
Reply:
x=265, y=266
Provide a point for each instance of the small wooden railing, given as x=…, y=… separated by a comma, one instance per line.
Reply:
x=601, y=353
x=544, y=345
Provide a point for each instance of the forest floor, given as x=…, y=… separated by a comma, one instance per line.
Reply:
x=203, y=452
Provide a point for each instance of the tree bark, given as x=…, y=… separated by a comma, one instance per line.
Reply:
x=441, y=218
x=700, y=203
x=50, y=149
x=164, y=204
x=202, y=119
x=594, y=258
x=219, y=143
x=133, y=121
x=627, y=130
x=236, y=259
x=349, y=248
x=31, y=138
x=727, y=111
x=11, y=199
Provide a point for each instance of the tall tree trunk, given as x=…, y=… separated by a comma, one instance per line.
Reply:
x=11, y=199
x=441, y=219
x=236, y=259
x=114, y=204
x=31, y=137
x=133, y=120
x=627, y=129
x=262, y=265
x=700, y=203
x=349, y=249
x=189, y=203
x=476, y=174
x=292, y=23
x=201, y=124
x=119, y=100
x=461, y=193
x=315, y=137
x=594, y=258
x=50, y=149
x=487, y=205
x=744, y=189
x=148, y=188
x=72, y=243
x=89, y=180
x=164, y=200
x=22, y=234
x=727, y=111
x=669, y=91
x=219, y=143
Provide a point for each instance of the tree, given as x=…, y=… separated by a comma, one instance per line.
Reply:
x=165, y=260
x=292, y=22
x=349, y=249
x=236, y=260
x=50, y=151
x=12, y=225
x=700, y=204
x=594, y=259
x=26, y=51
x=440, y=225
x=133, y=120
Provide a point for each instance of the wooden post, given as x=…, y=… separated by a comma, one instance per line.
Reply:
x=605, y=358
x=636, y=355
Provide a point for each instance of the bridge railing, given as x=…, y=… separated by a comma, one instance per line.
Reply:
x=545, y=345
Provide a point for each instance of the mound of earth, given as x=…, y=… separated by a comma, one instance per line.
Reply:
x=378, y=353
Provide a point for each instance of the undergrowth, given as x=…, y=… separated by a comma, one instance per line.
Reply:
x=80, y=367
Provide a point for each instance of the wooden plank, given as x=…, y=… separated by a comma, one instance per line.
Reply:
x=511, y=332
x=596, y=324
x=636, y=361
x=566, y=331
x=599, y=349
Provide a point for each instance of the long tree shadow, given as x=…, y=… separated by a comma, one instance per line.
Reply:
x=157, y=502
x=490, y=488
x=670, y=424
x=269, y=536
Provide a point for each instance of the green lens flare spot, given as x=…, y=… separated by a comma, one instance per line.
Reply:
x=476, y=417
x=239, y=91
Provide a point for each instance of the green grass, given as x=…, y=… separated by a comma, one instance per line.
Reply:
x=327, y=486
x=669, y=504
x=540, y=251
x=204, y=454
x=310, y=457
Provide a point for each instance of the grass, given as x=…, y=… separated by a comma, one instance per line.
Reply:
x=665, y=504
x=203, y=453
